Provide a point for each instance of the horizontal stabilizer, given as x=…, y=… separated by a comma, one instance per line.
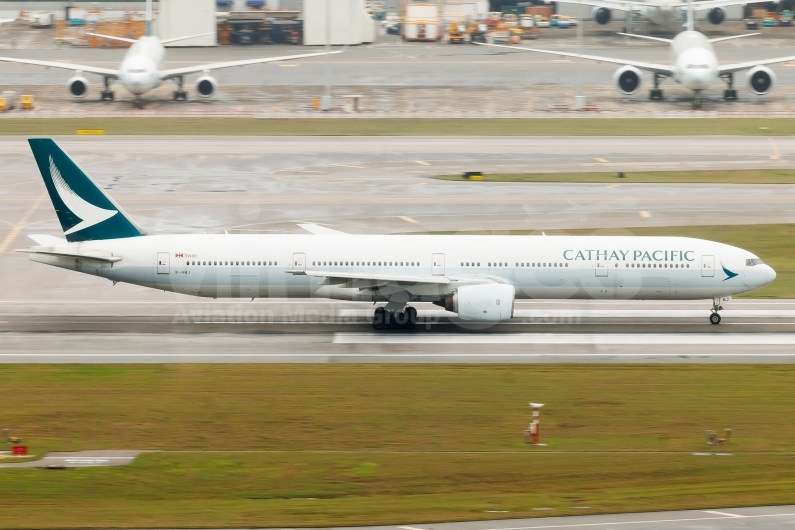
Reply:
x=85, y=257
x=175, y=39
x=659, y=39
x=46, y=240
x=321, y=230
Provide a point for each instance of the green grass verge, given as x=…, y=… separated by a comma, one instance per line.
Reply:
x=400, y=127
x=740, y=176
x=775, y=244
x=391, y=444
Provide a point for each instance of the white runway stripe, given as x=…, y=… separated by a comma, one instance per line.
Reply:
x=595, y=339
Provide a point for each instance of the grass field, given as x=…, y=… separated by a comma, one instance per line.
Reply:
x=400, y=127
x=368, y=444
x=742, y=176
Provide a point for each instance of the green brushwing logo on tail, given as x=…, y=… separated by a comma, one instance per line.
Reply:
x=84, y=210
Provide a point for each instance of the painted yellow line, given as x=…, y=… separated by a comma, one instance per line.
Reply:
x=407, y=219
x=775, y=155
x=348, y=165
x=600, y=160
x=14, y=233
x=90, y=131
x=423, y=162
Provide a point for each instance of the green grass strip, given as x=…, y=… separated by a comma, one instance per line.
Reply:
x=392, y=444
x=400, y=127
x=739, y=176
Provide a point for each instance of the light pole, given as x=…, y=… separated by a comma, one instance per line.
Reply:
x=325, y=102
x=579, y=99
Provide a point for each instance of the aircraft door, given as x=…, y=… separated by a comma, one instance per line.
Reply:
x=708, y=266
x=437, y=261
x=163, y=262
x=601, y=269
x=299, y=261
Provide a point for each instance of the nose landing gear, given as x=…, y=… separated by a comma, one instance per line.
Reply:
x=714, y=317
x=405, y=319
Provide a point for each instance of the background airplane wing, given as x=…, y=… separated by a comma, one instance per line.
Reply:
x=107, y=72
x=710, y=4
x=168, y=74
x=649, y=67
x=609, y=4
x=738, y=67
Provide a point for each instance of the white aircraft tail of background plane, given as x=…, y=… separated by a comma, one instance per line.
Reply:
x=477, y=277
x=141, y=70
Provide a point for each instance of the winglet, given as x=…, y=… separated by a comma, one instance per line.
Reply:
x=84, y=210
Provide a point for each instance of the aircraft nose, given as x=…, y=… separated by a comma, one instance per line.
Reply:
x=769, y=274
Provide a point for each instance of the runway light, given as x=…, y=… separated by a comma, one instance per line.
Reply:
x=532, y=433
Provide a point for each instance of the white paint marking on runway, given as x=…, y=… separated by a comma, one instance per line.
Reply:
x=422, y=162
x=600, y=160
x=640, y=522
x=727, y=514
x=645, y=214
x=410, y=528
x=407, y=219
x=589, y=339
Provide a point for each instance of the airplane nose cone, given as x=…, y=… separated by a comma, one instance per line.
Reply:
x=770, y=274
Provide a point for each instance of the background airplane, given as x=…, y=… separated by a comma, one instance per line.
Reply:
x=666, y=14
x=694, y=65
x=141, y=70
x=477, y=277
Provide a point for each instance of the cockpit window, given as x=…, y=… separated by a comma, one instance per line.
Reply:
x=697, y=66
x=137, y=70
x=754, y=261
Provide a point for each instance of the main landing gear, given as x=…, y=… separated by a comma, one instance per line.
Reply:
x=730, y=94
x=403, y=319
x=107, y=94
x=656, y=94
x=179, y=94
x=714, y=317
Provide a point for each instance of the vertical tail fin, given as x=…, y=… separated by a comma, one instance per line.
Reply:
x=691, y=16
x=148, y=18
x=84, y=210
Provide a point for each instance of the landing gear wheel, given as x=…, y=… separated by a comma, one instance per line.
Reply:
x=730, y=94
x=656, y=94
x=379, y=319
x=714, y=318
x=391, y=320
x=138, y=104
x=412, y=313
x=180, y=95
x=107, y=95
x=697, y=103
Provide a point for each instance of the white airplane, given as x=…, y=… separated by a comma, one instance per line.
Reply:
x=477, y=277
x=141, y=70
x=666, y=14
x=694, y=65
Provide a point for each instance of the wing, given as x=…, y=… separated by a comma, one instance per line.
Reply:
x=321, y=230
x=344, y=277
x=730, y=37
x=738, y=67
x=106, y=72
x=649, y=67
x=168, y=74
x=647, y=37
x=86, y=257
x=121, y=39
x=710, y=4
x=609, y=4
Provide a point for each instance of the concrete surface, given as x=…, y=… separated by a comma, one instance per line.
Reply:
x=62, y=460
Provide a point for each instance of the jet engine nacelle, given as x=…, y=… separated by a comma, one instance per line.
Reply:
x=488, y=302
x=628, y=79
x=716, y=15
x=601, y=15
x=206, y=85
x=761, y=80
x=78, y=86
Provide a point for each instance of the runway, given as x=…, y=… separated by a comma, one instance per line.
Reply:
x=379, y=185
x=757, y=518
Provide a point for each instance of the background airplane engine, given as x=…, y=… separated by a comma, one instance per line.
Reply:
x=716, y=15
x=491, y=302
x=206, y=85
x=601, y=15
x=78, y=86
x=628, y=80
x=760, y=80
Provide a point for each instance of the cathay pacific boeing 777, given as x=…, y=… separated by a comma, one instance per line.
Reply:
x=477, y=277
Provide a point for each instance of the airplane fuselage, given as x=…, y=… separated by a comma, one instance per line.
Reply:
x=695, y=64
x=140, y=69
x=547, y=267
